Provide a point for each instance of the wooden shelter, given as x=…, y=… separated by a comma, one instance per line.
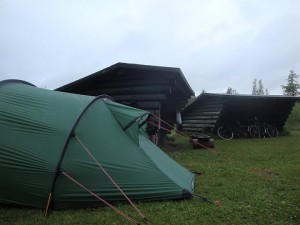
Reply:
x=209, y=111
x=161, y=90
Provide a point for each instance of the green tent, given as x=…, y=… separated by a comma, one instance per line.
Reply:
x=46, y=134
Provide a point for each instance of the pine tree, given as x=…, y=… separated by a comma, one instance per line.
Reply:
x=260, y=89
x=292, y=87
x=231, y=91
x=254, y=87
x=266, y=92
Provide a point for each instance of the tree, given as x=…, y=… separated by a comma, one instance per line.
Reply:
x=292, y=87
x=254, y=87
x=266, y=92
x=231, y=91
x=258, y=89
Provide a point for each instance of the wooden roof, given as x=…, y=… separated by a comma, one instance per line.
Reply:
x=141, y=86
x=210, y=110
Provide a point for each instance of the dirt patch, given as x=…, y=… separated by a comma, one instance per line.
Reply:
x=265, y=173
x=170, y=146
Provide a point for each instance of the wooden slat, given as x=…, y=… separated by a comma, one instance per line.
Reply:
x=151, y=89
x=115, y=83
x=193, y=129
x=140, y=97
x=199, y=117
x=205, y=113
x=198, y=125
x=218, y=109
x=198, y=121
x=149, y=105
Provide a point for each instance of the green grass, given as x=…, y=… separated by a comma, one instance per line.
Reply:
x=256, y=181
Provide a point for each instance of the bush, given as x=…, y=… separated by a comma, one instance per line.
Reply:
x=293, y=122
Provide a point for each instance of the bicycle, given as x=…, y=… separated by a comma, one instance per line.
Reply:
x=254, y=129
x=230, y=130
x=268, y=130
x=258, y=129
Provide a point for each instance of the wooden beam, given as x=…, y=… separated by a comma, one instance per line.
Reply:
x=198, y=125
x=199, y=121
x=140, y=97
x=183, y=88
x=184, y=117
x=149, y=105
x=204, y=109
x=192, y=129
x=116, y=83
x=151, y=89
x=205, y=114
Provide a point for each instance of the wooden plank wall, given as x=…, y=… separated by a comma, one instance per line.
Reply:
x=202, y=116
x=209, y=111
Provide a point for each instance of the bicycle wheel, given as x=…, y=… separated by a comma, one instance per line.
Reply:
x=225, y=133
x=272, y=131
x=254, y=131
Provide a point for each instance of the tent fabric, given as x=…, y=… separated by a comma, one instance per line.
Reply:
x=36, y=125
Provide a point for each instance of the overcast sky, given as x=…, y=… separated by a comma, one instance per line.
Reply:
x=216, y=43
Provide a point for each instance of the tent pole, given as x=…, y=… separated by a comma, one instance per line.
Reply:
x=58, y=166
x=48, y=204
x=111, y=179
x=134, y=121
x=101, y=199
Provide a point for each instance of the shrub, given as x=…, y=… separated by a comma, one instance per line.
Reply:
x=293, y=122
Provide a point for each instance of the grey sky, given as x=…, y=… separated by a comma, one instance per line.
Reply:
x=216, y=43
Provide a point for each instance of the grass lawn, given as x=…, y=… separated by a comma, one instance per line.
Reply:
x=256, y=181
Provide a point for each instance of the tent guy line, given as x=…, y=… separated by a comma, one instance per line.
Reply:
x=100, y=199
x=110, y=178
x=179, y=133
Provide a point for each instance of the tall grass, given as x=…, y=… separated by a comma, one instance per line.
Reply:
x=257, y=182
